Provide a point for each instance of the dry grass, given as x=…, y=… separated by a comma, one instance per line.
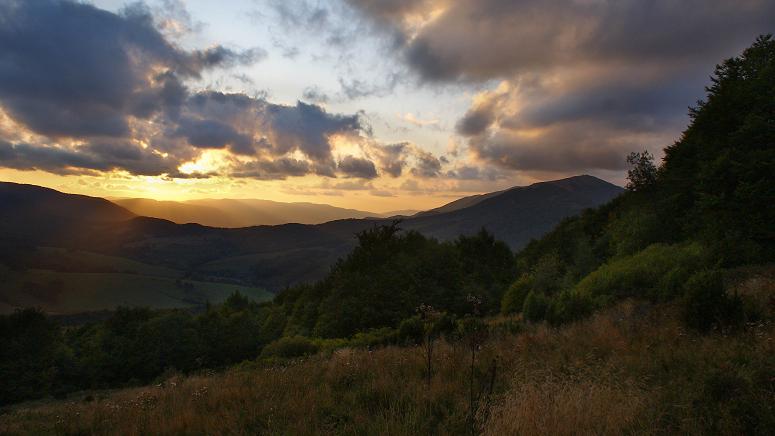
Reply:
x=629, y=370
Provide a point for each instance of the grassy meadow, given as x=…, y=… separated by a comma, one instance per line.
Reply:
x=72, y=281
x=630, y=369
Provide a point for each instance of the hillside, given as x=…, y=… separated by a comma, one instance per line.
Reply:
x=239, y=212
x=273, y=257
x=630, y=369
x=516, y=215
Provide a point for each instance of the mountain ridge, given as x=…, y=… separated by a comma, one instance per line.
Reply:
x=275, y=256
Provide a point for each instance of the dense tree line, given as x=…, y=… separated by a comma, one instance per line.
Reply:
x=390, y=273
x=709, y=206
x=369, y=297
x=39, y=357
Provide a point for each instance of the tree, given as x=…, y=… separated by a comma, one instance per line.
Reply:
x=643, y=172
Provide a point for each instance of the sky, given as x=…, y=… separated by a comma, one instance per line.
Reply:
x=371, y=104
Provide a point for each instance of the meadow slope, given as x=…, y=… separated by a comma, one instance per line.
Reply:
x=631, y=369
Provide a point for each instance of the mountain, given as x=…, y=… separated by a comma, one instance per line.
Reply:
x=239, y=212
x=515, y=215
x=29, y=212
x=272, y=257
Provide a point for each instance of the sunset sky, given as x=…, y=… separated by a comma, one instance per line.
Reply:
x=371, y=104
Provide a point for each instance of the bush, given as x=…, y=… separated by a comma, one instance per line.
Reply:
x=411, y=330
x=374, y=337
x=536, y=305
x=514, y=298
x=645, y=273
x=292, y=346
x=568, y=306
x=706, y=305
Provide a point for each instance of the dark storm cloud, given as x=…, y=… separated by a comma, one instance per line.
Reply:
x=586, y=81
x=307, y=127
x=85, y=159
x=482, y=39
x=576, y=146
x=392, y=157
x=352, y=166
x=214, y=134
x=75, y=74
x=476, y=120
x=70, y=69
x=427, y=165
x=281, y=129
x=278, y=169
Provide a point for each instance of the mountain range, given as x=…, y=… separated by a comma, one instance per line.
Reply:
x=265, y=257
x=243, y=212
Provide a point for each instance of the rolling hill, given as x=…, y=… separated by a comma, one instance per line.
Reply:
x=270, y=257
x=240, y=212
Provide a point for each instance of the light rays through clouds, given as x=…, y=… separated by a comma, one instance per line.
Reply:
x=395, y=102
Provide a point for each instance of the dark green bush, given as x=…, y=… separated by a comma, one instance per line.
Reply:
x=706, y=305
x=291, y=346
x=536, y=305
x=642, y=274
x=411, y=331
x=568, y=306
x=514, y=298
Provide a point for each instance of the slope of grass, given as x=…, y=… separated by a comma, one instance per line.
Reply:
x=61, y=259
x=631, y=369
x=73, y=292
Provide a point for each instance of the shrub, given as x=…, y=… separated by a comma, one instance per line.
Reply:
x=291, y=346
x=706, y=305
x=536, y=305
x=411, y=330
x=514, y=298
x=643, y=274
x=568, y=306
x=374, y=337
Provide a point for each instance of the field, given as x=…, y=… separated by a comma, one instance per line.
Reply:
x=78, y=281
x=632, y=369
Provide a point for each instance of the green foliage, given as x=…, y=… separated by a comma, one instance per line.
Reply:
x=134, y=345
x=390, y=273
x=709, y=204
x=411, y=330
x=650, y=273
x=30, y=356
x=642, y=174
x=514, y=298
x=536, y=306
x=568, y=306
x=706, y=304
x=716, y=182
x=290, y=346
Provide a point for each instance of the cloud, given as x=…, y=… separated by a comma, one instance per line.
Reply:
x=468, y=172
x=352, y=166
x=426, y=164
x=412, y=119
x=70, y=69
x=315, y=95
x=278, y=169
x=214, y=134
x=85, y=159
x=483, y=39
x=392, y=157
x=103, y=91
x=580, y=82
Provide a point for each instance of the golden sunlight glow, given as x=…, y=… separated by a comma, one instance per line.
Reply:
x=416, y=21
x=207, y=162
x=344, y=145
